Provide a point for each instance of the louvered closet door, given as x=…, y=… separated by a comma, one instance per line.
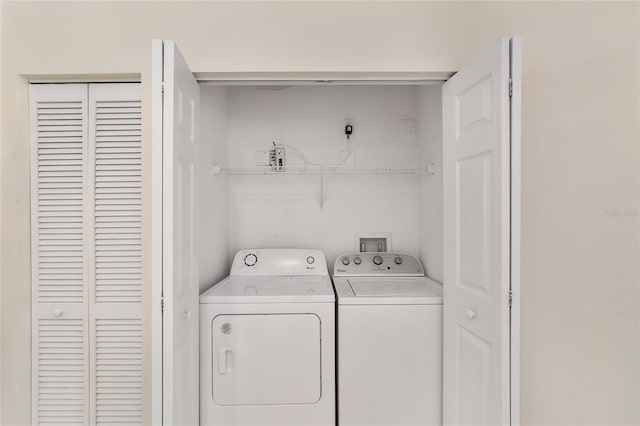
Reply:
x=60, y=238
x=86, y=254
x=115, y=162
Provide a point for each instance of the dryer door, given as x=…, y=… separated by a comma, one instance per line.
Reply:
x=266, y=359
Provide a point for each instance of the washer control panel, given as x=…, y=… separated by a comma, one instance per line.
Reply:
x=370, y=264
x=279, y=262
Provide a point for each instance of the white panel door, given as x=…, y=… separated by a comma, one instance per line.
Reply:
x=476, y=168
x=179, y=258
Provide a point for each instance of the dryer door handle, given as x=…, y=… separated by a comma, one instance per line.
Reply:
x=225, y=361
x=222, y=361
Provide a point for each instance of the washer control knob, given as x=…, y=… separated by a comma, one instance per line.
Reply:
x=310, y=260
x=357, y=260
x=345, y=261
x=398, y=260
x=250, y=259
x=377, y=260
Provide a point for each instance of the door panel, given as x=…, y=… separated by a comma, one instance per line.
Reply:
x=473, y=358
x=473, y=107
x=474, y=211
x=266, y=359
x=179, y=117
x=115, y=308
x=60, y=245
x=476, y=176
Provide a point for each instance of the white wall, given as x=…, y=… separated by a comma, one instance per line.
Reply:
x=213, y=230
x=286, y=211
x=581, y=182
x=431, y=201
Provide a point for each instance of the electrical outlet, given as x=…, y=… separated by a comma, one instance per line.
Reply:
x=348, y=129
x=348, y=158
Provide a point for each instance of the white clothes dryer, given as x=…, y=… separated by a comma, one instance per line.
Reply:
x=267, y=345
x=389, y=341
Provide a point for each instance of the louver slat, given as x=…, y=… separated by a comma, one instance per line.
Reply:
x=118, y=201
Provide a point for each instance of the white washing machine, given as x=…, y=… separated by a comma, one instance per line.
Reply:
x=267, y=342
x=389, y=341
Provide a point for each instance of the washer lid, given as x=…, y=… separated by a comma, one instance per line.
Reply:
x=270, y=289
x=390, y=287
x=392, y=290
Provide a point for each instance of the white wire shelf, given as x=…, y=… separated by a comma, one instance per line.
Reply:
x=318, y=170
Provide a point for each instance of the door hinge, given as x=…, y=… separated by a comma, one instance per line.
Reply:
x=162, y=91
x=510, y=87
x=162, y=303
x=510, y=299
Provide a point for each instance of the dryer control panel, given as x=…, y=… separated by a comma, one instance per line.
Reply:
x=279, y=262
x=384, y=264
